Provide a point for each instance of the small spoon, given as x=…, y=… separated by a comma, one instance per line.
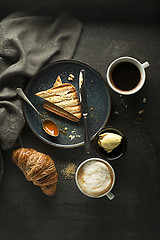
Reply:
x=48, y=125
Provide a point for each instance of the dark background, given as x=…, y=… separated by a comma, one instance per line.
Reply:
x=110, y=29
x=92, y=10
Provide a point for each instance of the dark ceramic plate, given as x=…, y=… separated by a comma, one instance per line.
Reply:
x=99, y=103
x=118, y=151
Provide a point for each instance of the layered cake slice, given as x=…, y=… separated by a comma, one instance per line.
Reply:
x=62, y=99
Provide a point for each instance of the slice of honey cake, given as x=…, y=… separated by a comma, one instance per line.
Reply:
x=62, y=99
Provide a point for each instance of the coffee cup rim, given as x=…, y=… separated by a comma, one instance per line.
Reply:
x=140, y=67
x=94, y=159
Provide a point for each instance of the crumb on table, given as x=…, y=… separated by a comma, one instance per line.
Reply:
x=141, y=112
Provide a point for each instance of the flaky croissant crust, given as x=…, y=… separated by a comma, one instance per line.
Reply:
x=38, y=168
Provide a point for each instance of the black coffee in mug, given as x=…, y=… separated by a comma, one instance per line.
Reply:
x=125, y=76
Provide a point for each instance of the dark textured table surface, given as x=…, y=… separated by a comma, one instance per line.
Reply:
x=134, y=214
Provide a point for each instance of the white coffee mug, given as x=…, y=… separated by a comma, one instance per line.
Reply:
x=140, y=66
x=108, y=193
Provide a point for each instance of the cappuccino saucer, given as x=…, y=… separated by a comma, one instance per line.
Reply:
x=118, y=151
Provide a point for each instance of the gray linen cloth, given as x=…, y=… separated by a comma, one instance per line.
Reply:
x=26, y=44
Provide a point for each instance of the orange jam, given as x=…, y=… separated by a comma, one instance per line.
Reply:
x=51, y=128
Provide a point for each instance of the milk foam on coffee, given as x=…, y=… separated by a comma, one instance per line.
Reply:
x=95, y=178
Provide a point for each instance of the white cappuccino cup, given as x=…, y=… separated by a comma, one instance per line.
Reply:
x=95, y=178
x=126, y=75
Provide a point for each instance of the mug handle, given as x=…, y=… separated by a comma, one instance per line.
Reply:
x=110, y=195
x=145, y=64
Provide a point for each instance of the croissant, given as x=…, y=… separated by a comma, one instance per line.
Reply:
x=38, y=168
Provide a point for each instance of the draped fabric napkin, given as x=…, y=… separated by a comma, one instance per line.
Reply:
x=26, y=44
